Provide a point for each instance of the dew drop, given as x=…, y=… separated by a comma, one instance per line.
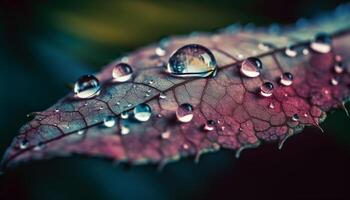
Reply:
x=81, y=132
x=251, y=67
x=39, y=146
x=24, y=144
x=162, y=95
x=266, y=89
x=334, y=81
x=295, y=117
x=339, y=68
x=184, y=112
x=57, y=110
x=160, y=51
x=87, y=86
x=192, y=60
x=185, y=146
x=271, y=106
x=122, y=72
x=142, y=112
x=124, y=115
x=286, y=79
x=306, y=51
x=290, y=52
x=124, y=130
x=209, y=125
x=109, y=121
x=166, y=135
x=322, y=43
x=264, y=46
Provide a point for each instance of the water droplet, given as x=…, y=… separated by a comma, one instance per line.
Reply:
x=129, y=105
x=85, y=104
x=185, y=146
x=306, y=51
x=150, y=82
x=338, y=58
x=166, y=134
x=209, y=125
x=334, y=81
x=109, y=121
x=162, y=95
x=286, y=79
x=124, y=130
x=160, y=51
x=192, y=60
x=264, y=46
x=184, y=112
x=100, y=108
x=142, y=112
x=122, y=72
x=291, y=52
x=39, y=146
x=322, y=43
x=81, y=132
x=295, y=117
x=57, y=110
x=251, y=67
x=339, y=68
x=266, y=89
x=24, y=144
x=271, y=105
x=87, y=86
x=124, y=115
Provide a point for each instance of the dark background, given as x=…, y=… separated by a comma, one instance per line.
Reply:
x=46, y=44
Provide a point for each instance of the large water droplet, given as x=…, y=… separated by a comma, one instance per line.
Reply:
x=266, y=89
x=286, y=79
x=24, y=144
x=122, y=72
x=109, y=121
x=142, y=112
x=184, y=112
x=209, y=125
x=322, y=43
x=251, y=67
x=87, y=86
x=192, y=60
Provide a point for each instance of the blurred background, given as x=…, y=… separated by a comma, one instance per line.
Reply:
x=46, y=44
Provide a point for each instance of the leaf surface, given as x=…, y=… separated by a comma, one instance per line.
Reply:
x=242, y=118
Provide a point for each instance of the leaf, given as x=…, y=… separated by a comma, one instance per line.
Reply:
x=242, y=118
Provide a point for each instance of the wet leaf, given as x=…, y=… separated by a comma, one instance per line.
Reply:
x=157, y=117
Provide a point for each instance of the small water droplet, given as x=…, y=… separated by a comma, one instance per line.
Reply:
x=160, y=51
x=286, y=79
x=57, y=110
x=87, y=86
x=192, y=60
x=39, y=146
x=24, y=144
x=264, y=46
x=266, y=89
x=334, y=81
x=109, y=121
x=271, y=105
x=185, y=146
x=85, y=104
x=100, y=108
x=162, y=95
x=295, y=117
x=338, y=58
x=251, y=67
x=209, y=125
x=150, y=82
x=142, y=112
x=339, y=68
x=184, y=112
x=124, y=130
x=306, y=51
x=129, y=105
x=322, y=43
x=166, y=134
x=81, y=132
x=290, y=51
x=118, y=103
x=159, y=115
x=122, y=72
x=124, y=115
